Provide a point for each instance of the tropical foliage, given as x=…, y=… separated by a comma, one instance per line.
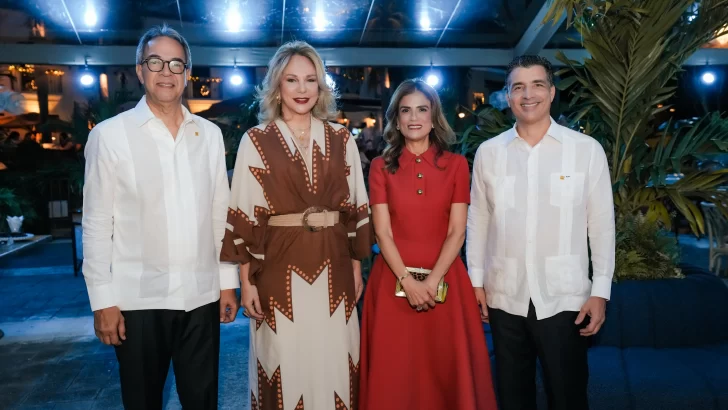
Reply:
x=13, y=205
x=234, y=125
x=9, y=204
x=645, y=250
x=621, y=95
x=489, y=122
x=637, y=48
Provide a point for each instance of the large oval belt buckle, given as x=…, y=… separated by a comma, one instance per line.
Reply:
x=309, y=211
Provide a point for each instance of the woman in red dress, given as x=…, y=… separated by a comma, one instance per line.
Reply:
x=417, y=352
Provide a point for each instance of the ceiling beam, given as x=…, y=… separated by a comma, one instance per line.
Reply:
x=283, y=20
x=366, y=23
x=538, y=34
x=444, y=30
x=55, y=54
x=179, y=12
x=70, y=18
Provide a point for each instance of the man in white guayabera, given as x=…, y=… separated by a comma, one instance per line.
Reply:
x=154, y=215
x=539, y=191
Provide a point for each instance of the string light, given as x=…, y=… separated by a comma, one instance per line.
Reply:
x=196, y=79
x=27, y=68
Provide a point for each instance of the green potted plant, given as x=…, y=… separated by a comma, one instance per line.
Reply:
x=14, y=210
x=621, y=96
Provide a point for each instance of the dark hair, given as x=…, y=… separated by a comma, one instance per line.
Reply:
x=527, y=61
x=441, y=135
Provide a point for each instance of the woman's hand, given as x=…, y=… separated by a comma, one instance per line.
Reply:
x=358, y=280
x=431, y=284
x=251, y=301
x=418, y=294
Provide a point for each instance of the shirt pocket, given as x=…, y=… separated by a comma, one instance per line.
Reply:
x=564, y=275
x=566, y=190
x=502, y=275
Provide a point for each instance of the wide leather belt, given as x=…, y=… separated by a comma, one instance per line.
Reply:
x=313, y=219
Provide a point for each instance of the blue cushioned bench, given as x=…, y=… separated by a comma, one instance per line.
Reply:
x=664, y=346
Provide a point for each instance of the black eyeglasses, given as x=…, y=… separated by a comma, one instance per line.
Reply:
x=156, y=65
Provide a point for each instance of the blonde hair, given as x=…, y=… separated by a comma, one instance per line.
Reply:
x=269, y=90
x=441, y=136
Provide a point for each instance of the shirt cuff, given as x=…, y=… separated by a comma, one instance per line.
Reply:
x=601, y=286
x=101, y=296
x=229, y=278
x=477, y=277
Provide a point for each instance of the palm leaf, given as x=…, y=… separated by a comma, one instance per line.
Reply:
x=636, y=48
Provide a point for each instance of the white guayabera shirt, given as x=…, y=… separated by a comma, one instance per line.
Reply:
x=532, y=210
x=154, y=213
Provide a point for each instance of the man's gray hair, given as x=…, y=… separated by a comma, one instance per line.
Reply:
x=162, y=31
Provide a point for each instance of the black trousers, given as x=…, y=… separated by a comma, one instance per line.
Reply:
x=518, y=341
x=191, y=340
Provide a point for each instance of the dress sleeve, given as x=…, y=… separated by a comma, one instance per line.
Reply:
x=248, y=213
x=377, y=182
x=461, y=193
x=229, y=276
x=359, y=228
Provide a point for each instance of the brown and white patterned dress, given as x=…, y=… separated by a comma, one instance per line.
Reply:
x=305, y=354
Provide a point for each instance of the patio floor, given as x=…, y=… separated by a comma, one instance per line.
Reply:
x=50, y=358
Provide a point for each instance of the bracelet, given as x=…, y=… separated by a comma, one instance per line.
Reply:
x=401, y=278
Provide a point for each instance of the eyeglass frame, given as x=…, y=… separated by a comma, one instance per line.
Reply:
x=164, y=62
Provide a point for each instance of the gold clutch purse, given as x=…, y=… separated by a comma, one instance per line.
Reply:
x=420, y=274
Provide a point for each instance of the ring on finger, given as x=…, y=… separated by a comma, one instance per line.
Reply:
x=245, y=313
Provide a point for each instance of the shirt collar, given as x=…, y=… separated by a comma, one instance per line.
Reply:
x=142, y=114
x=554, y=132
x=407, y=157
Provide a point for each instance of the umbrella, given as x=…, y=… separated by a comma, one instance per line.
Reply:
x=226, y=107
x=27, y=120
x=55, y=124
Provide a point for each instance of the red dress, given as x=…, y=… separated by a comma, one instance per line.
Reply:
x=435, y=360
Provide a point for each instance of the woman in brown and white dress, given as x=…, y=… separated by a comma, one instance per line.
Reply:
x=298, y=224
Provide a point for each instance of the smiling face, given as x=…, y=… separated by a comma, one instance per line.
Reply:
x=299, y=87
x=414, y=116
x=530, y=94
x=163, y=86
